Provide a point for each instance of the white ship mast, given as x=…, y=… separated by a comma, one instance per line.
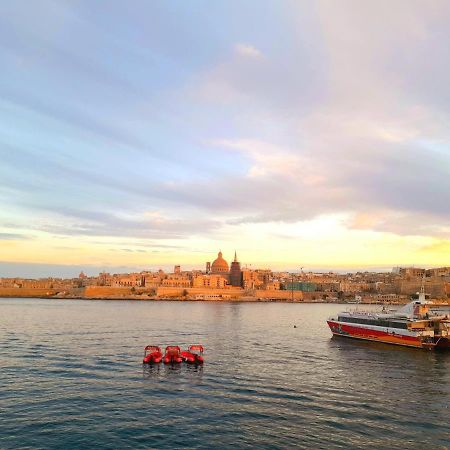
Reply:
x=422, y=290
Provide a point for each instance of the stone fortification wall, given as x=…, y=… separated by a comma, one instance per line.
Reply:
x=27, y=292
x=435, y=287
x=110, y=292
x=278, y=295
x=192, y=292
x=229, y=293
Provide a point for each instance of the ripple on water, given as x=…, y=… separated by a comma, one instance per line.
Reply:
x=72, y=377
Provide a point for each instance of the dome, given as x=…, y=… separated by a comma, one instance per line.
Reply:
x=219, y=265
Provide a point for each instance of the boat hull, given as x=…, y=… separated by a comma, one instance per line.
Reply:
x=389, y=336
x=153, y=358
x=192, y=358
x=443, y=344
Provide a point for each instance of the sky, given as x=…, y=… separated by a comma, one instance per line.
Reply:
x=138, y=135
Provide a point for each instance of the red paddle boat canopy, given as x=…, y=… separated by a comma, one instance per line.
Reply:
x=152, y=348
x=196, y=348
x=152, y=354
x=173, y=354
x=193, y=354
x=173, y=348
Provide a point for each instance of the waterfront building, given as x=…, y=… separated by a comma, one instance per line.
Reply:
x=327, y=286
x=251, y=279
x=265, y=275
x=176, y=280
x=104, y=279
x=304, y=286
x=209, y=281
x=272, y=286
x=438, y=272
x=152, y=280
x=128, y=280
x=414, y=272
x=355, y=286
x=10, y=282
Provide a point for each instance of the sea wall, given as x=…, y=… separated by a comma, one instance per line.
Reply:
x=27, y=292
x=279, y=295
x=107, y=292
x=227, y=293
x=112, y=292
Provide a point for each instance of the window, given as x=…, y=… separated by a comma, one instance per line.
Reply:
x=373, y=322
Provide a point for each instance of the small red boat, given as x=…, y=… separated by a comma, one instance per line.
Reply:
x=152, y=354
x=193, y=355
x=172, y=355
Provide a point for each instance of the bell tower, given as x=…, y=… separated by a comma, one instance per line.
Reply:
x=235, y=272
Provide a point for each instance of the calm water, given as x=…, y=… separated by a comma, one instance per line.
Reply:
x=71, y=377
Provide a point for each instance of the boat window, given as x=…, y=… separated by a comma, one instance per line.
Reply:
x=374, y=322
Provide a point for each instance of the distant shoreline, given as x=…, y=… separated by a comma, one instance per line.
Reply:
x=180, y=300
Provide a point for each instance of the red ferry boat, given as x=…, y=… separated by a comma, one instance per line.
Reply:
x=413, y=325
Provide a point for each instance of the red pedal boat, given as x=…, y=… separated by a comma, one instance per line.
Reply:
x=152, y=354
x=193, y=355
x=172, y=355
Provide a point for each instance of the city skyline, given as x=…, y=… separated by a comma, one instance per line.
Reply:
x=307, y=134
x=222, y=280
x=38, y=270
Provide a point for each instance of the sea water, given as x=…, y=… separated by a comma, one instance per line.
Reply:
x=71, y=376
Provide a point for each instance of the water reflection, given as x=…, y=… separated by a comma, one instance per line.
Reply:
x=164, y=370
x=150, y=370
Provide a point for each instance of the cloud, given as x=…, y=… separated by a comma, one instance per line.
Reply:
x=412, y=223
x=250, y=82
x=14, y=237
x=265, y=157
x=381, y=187
x=248, y=51
x=373, y=145
x=440, y=246
x=78, y=222
x=345, y=112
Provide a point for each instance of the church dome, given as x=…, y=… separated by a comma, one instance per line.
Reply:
x=219, y=265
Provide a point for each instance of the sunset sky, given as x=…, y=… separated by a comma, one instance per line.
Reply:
x=136, y=135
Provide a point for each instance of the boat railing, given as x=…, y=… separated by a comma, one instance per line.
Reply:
x=429, y=333
x=356, y=313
